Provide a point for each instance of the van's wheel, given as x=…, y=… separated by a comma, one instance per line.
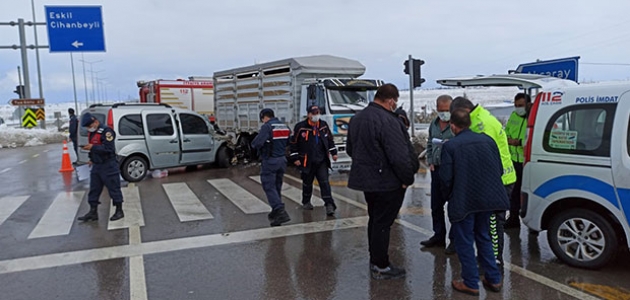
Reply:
x=582, y=238
x=134, y=168
x=223, y=157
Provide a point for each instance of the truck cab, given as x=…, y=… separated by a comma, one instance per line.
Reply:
x=338, y=100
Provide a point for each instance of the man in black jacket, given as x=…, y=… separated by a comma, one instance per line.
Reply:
x=471, y=171
x=312, y=145
x=382, y=167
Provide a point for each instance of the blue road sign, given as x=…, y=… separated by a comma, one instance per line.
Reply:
x=75, y=28
x=565, y=68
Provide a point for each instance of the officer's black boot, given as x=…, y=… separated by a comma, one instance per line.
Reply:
x=118, y=214
x=92, y=215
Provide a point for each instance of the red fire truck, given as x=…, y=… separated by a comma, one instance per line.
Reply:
x=196, y=94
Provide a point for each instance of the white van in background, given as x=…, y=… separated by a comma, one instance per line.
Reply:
x=576, y=179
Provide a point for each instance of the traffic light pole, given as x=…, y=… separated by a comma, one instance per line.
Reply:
x=411, y=113
x=22, y=33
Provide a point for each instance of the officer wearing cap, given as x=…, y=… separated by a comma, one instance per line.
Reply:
x=312, y=145
x=105, y=170
x=271, y=143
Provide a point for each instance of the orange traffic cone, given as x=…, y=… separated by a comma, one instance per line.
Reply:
x=66, y=165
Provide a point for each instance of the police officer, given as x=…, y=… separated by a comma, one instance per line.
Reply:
x=515, y=130
x=312, y=145
x=271, y=143
x=104, y=167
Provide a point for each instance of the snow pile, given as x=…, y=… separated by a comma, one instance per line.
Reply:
x=19, y=137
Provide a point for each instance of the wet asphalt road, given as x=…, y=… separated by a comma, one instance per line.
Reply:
x=235, y=255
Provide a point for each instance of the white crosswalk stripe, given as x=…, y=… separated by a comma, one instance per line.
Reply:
x=243, y=199
x=59, y=217
x=293, y=193
x=8, y=205
x=132, y=208
x=186, y=204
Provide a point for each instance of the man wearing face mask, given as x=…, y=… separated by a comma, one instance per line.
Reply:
x=104, y=170
x=515, y=130
x=312, y=145
x=440, y=129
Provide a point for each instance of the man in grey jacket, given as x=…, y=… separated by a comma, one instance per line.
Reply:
x=383, y=166
x=440, y=131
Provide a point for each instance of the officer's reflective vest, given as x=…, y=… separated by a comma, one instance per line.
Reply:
x=515, y=129
x=484, y=122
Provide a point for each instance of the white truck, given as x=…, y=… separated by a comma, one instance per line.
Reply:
x=288, y=86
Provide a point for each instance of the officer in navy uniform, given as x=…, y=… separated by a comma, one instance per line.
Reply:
x=104, y=167
x=271, y=143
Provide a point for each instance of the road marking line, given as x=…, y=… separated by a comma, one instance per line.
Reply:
x=243, y=199
x=550, y=283
x=59, y=217
x=186, y=204
x=47, y=150
x=293, y=193
x=114, y=252
x=22, y=162
x=5, y=170
x=8, y=205
x=137, y=278
x=602, y=291
x=35, y=155
x=516, y=269
x=132, y=208
x=335, y=196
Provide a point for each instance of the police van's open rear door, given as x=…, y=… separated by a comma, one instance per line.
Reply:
x=522, y=81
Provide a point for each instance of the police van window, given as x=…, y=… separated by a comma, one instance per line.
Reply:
x=130, y=125
x=160, y=124
x=100, y=117
x=581, y=129
x=192, y=124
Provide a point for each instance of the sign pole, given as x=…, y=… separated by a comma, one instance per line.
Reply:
x=27, y=82
x=39, y=69
x=74, y=84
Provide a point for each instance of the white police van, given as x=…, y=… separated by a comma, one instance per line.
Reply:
x=576, y=179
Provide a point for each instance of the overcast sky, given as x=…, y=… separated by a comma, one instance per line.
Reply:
x=151, y=39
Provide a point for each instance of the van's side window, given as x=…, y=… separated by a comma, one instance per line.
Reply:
x=130, y=125
x=192, y=124
x=581, y=129
x=628, y=139
x=160, y=124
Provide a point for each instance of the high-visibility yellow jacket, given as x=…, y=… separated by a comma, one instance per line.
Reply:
x=482, y=121
x=515, y=129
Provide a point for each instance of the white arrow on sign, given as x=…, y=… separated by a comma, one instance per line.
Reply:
x=77, y=44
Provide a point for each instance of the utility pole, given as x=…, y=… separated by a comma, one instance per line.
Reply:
x=74, y=84
x=84, y=81
x=91, y=63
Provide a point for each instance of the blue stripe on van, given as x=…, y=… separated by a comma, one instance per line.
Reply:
x=576, y=182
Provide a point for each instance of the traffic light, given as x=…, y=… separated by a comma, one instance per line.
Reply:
x=19, y=89
x=417, y=76
x=406, y=64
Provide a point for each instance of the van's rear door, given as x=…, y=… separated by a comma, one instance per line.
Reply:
x=620, y=154
x=162, y=138
x=523, y=81
x=197, y=142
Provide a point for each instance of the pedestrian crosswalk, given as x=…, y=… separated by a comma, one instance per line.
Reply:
x=60, y=216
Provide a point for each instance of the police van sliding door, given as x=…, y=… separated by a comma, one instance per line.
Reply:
x=620, y=153
x=162, y=139
x=197, y=142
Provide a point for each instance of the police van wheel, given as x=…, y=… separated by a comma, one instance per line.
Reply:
x=582, y=238
x=134, y=169
x=223, y=157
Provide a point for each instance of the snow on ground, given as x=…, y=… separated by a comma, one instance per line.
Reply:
x=18, y=137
